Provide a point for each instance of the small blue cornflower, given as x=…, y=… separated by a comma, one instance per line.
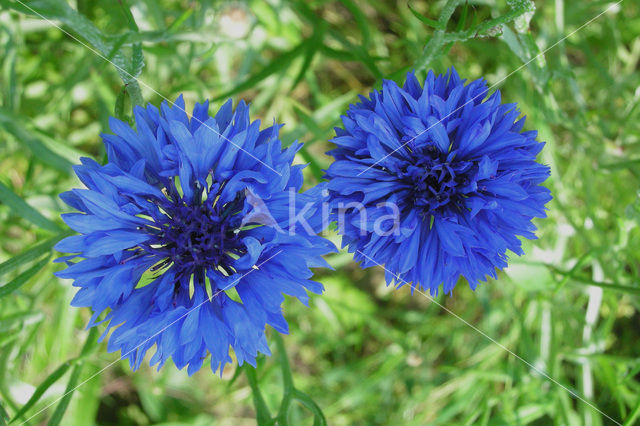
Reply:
x=435, y=182
x=186, y=238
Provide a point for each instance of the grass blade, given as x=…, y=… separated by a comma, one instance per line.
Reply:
x=314, y=44
x=31, y=254
x=3, y=416
x=42, y=388
x=361, y=21
x=40, y=151
x=633, y=416
x=58, y=414
x=279, y=63
x=21, y=279
x=56, y=418
x=24, y=210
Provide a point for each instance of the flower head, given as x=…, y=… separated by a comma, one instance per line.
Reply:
x=183, y=235
x=435, y=182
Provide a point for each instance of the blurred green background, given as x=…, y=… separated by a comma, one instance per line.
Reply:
x=367, y=354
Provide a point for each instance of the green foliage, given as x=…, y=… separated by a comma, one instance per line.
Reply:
x=21, y=209
x=363, y=353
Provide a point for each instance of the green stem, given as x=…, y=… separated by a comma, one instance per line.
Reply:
x=287, y=380
x=284, y=362
x=262, y=411
x=304, y=399
x=290, y=393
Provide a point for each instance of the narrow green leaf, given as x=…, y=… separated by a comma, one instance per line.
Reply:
x=463, y=18
x=607, y=286
x=447, y=11
x=31, y=254
x=137, y=60
x=524, y=46
x=580, y=280
x=130, y=37
x=357, y=52
x=237, y=373
x=513, y=42
x=579, y=264
x=307, y=120
x=133, y=89
x=40, y=151
x=19, y=319
x=135, y=65
x=538, y=67
x=489, y=28
x=56, y=418
x=42, y=388
x=312, y=47
x=281, y=62
x=361, y=21
x=315, y=168
x=89, y=344
x=339, y=54
x=118, y=42
x=131, y=22
x=430, y=22
x=8, y=338
x=21, y=209
x=485, y=26
x=633, y=416
x=350, y=51
x=21, y=279
x=43, y=7
x=175, y=25
x=9, y=73
x=4, y=416
x=58, y=414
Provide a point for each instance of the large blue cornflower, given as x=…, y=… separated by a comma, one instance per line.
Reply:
x=186, y=235
x=435, y=182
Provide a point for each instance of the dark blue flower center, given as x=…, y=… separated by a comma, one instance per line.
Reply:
x=435, y=181
x=197, y=236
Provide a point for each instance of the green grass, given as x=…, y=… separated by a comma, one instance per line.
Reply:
x=364, y=353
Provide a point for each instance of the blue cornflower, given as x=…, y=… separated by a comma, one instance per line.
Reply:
x=435, y=182
x=184, y=235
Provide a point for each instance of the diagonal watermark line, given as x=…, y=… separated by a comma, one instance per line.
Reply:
x=500, y=345
x=173, y=104
x=484, y=92
x=151, y=337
